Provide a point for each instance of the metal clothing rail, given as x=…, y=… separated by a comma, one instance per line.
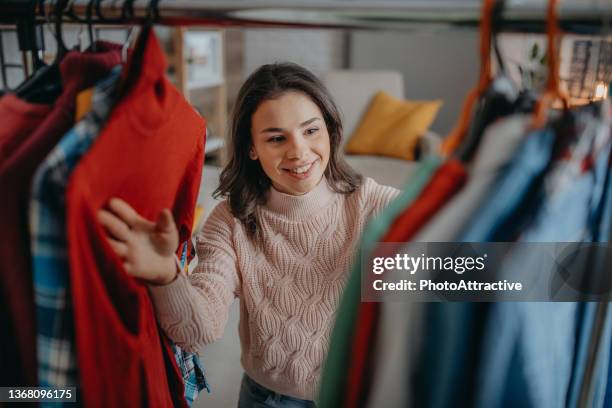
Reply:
x=580, y=17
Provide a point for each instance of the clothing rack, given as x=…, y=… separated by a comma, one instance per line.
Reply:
x=584, y=17
x=587, y=17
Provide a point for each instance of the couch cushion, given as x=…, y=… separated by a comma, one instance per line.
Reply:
x=392, y=127
x=384, y=170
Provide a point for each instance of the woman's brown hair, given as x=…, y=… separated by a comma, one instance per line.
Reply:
x=243, y=180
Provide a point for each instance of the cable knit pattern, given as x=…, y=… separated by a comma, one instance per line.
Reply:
x=289, y=284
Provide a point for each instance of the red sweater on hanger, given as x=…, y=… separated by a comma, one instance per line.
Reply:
x=27, y=133
x=150, y=154
x=445, y=182
x=19, y=120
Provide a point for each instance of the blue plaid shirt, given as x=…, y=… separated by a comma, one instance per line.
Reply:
x=54, y=319
x=56, y=354
x=189, y=363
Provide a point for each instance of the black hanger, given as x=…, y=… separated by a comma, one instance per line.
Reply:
x=62, y=50
x=127, y=10
x=134, y=68
x=89, y=22
x=45, y=85
x=495, y=103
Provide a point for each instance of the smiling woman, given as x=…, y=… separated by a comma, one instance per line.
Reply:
x=282, y=240
x=293, y=153
x=284, y=120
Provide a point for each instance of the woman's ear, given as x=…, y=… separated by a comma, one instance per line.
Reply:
x=253, y=154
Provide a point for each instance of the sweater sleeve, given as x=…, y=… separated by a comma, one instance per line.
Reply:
x=193, y=310
x=377, y=197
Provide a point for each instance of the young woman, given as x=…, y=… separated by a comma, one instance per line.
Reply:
x=282, y=241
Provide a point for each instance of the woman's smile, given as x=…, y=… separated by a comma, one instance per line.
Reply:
x=301, y=172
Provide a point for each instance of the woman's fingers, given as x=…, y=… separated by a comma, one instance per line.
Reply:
x=119, y=247
x=127, y=267
x=165, y=222
x=114, y=225
x=124, y=211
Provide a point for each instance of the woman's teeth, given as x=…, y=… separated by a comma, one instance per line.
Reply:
x=302, y=169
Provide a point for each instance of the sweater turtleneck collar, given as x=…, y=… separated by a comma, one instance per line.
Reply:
x=300, y=206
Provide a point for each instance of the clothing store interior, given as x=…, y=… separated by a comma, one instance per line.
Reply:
x=492, y=118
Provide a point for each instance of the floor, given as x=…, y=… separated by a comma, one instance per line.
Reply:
x=221, y=359
x=222, y=364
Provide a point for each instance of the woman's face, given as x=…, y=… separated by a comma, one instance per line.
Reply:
x=291, y=142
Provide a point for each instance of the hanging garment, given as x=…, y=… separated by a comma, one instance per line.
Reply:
x=451, y=339
x=397, y=344
x=596, y=125
x=528, y=354
x=189, y=364
x=55, y=330
x=20, y=119
x=498, y=144
x=605, y=234
x=530, y=163
x=150, y=154
x=499, y=100
x=333, y=380
x=444, y=183
x=461, y=325
x=192, y=372
x=394, y=361
x=453, y=330
x=79, y=71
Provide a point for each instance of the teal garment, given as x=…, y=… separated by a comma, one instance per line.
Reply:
x=333, y=379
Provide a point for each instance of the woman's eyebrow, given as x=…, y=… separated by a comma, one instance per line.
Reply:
x=309, y=121
x=274, y=129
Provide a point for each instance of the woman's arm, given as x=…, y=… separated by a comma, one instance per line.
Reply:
x=193, y=310
x=378, y=196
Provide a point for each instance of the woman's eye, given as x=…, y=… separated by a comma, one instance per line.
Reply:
x=311, y=131
x=276, y=139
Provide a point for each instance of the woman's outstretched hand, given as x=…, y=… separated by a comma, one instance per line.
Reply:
x=147, y=248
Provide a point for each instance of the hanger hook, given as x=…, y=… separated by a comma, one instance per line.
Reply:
x=127, y=10
x=496, y=20
x=58, y=15
x=153, y=11
x=553, y=89
x=450, y=143
x=89, y=22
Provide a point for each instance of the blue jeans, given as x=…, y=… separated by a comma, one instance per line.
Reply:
x=253, y=395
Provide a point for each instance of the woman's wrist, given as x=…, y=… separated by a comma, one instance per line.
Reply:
x=169, y=271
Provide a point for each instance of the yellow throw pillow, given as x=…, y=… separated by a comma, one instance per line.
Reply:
x=392, y=127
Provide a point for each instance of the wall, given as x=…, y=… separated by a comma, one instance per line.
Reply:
x=436, y=63
x=317, y=50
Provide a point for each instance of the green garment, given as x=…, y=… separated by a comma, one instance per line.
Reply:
x=333, y=381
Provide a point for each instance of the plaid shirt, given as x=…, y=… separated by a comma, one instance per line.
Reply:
x=56, y=354
x=189, y=363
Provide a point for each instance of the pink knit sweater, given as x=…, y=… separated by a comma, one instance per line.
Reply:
x=289, y=286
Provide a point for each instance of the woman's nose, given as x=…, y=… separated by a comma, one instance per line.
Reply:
x=297, y=148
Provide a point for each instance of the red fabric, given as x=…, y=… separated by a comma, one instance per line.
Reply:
x=27, y=134
x=357, y=388
x=150, y=154
x=445, y=182
x=19, y=120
